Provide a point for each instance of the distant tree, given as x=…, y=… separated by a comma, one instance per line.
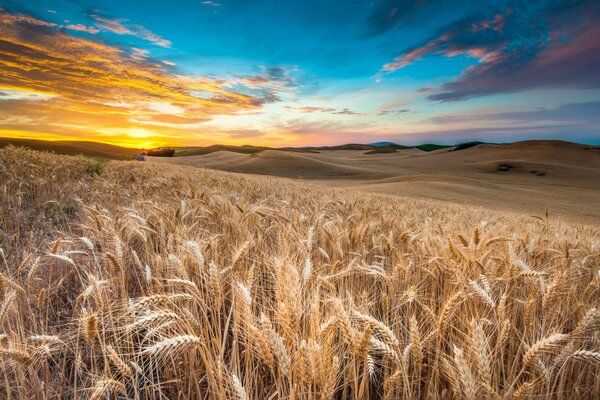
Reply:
x=163, y=152
x=467, y=145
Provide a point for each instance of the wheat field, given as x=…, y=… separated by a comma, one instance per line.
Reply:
x=143, y=281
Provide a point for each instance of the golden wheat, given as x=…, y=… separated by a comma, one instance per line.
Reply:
x=163, y=282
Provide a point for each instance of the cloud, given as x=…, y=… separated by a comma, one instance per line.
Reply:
x=478, y=35
x=140, y=54
x=581, y=113
x=60, y=84
x=325, y=131
x=273, y=79
x=211, y=3
x=308, y=109
x=270, y=85
x=392, y=14
x=112, y=25
x=518, y=46
x=118, y=26
x=145, y=34
x=393, y=112
x=559, y=65
x=247, y=133
x=82, y=28
x=346, y=111
x=20, y=95
x=40, y=58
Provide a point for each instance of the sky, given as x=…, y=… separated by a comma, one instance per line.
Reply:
x=293, y=73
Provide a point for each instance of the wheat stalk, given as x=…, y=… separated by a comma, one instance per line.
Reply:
x=172, y=345
x=547, y=344
x=268, y=288
x=106, y=387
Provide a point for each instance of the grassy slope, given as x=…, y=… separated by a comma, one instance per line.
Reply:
x=431, y=147
x=149, y=281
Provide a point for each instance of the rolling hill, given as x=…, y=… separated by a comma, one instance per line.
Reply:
x=94, y=149
x=91, y=149
x=527, y=176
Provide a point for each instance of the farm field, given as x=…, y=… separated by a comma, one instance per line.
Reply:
x=149, y=281
x=299, y=200
x=524, y=177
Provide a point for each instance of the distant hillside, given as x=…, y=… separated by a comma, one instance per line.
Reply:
x=432, y=147
x=371, y=148
x=382, y=150
x=197, y=151
x=247, y=149
x=350, y=146
x=93, y=149
x=529, y=175
x=381, y=144
x=90, y=149
x=467, y=145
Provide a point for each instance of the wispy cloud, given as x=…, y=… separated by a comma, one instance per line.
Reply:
x=393, y=112
x=273, y=79
x=581, y=113
x=346, y=111
x=392, y=14
x=309, y=109
x=83, y=28
x=211, y=3
x=119, y=27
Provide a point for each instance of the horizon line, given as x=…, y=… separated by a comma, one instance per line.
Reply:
x=6, y=138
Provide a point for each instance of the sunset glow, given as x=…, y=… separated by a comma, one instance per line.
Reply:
x=301, y=73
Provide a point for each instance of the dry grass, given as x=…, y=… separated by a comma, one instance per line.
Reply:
x=155, y=282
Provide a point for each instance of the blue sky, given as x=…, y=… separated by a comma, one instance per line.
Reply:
x=268, y=72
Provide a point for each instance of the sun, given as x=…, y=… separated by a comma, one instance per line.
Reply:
x=139, y=138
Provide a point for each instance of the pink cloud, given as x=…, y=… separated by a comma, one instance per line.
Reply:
x=411, y=56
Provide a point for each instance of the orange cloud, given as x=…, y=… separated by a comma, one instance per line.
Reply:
x=89, y=90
